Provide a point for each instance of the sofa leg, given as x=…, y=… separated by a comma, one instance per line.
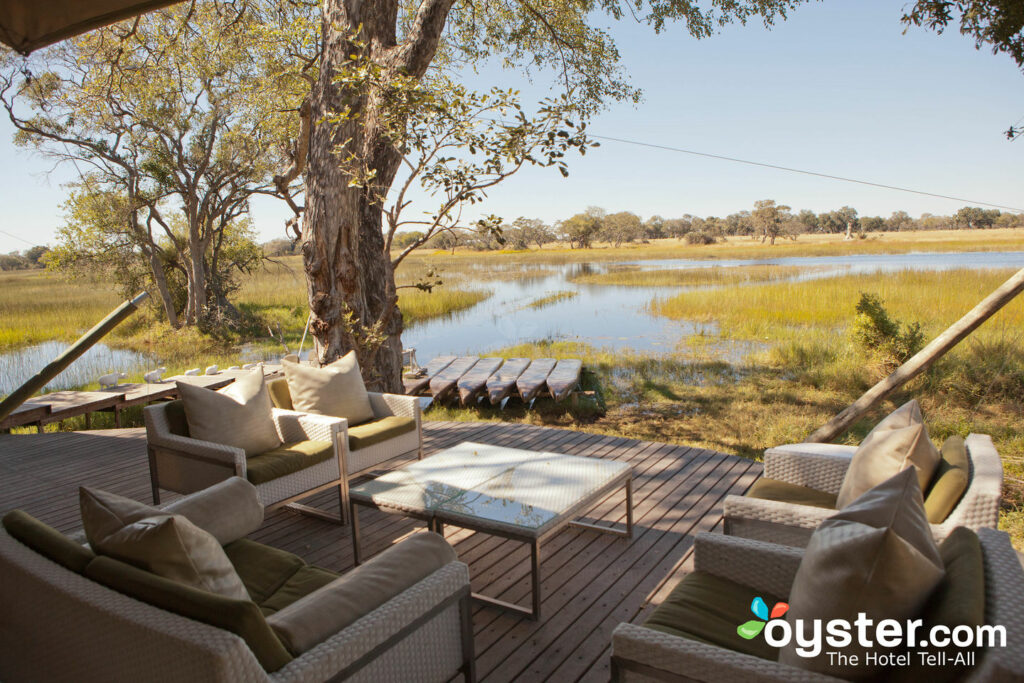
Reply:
x=343, y=503
x=468, y=653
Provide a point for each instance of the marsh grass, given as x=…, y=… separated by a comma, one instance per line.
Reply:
x=552, y=299
x=37, y=306
x=789, y=311
x=689, y=277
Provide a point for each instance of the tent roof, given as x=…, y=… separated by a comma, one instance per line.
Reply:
x=27, y=25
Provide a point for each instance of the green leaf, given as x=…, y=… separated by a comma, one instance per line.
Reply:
x=751, y=629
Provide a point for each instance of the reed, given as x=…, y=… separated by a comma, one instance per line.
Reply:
x=552, y=299
x=689, y=277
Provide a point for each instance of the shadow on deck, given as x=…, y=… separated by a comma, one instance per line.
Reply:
x=591, y=582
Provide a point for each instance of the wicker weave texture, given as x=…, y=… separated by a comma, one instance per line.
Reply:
x=821, y=471
x=763, y=566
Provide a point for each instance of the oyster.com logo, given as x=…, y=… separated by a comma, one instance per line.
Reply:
x=751, y=629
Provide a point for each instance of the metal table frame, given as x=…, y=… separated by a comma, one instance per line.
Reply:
x=436, y=521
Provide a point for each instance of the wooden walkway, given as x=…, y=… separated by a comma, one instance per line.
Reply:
x=591, y=581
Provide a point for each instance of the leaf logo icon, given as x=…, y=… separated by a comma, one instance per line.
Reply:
x=751, y=629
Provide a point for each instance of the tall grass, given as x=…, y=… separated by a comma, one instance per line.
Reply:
x=689, y=277
x=553, y=298
x=37, y=306
x=792, y=310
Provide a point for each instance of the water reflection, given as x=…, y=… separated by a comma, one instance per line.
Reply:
x=19, y=366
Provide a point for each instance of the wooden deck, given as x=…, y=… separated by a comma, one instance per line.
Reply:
x=591, y=581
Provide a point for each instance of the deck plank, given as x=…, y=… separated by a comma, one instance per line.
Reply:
x=591, y=581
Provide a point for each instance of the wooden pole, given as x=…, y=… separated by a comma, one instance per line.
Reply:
x=953, y=335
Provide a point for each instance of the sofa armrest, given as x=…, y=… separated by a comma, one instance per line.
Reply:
x=772, y=521
x=644, y=654
x=197, y=449
x=817, y=466
x=395, y=404
x=229, y=510
x=1003, y=606
x=297, y=426
x=759, y=565
x=313, y=619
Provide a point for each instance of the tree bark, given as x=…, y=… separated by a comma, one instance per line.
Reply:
x=953, y=335
x=349, y=276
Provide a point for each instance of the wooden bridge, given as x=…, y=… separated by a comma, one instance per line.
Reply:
x=591, y=582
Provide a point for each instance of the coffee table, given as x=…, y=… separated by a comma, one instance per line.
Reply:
x=517, y=494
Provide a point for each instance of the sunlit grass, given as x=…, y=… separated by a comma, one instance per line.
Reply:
x=37, y=306
x=791, y=310
x=689, y=277
x=553, y=298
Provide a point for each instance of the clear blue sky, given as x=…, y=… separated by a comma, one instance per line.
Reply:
x=837, y=89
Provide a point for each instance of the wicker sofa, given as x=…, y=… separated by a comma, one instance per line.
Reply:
x=641, y=654
x=822, y=467
x=103, y=620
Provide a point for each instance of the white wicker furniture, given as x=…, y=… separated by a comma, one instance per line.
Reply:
x=823, y=466
x=642, y=655
x=58, y=625
x=522, y=495
x=180, y=463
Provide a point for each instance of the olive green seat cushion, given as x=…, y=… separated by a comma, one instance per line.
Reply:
x=279, y=394
x=241, y=617
x=287, y=459
x=378, y=431
x=958, y=600
x=784, y=492
x=708, y=608
x=47, y=541
x=949, y=481
x=274, y=578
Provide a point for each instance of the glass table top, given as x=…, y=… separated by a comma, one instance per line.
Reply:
x=508, y=486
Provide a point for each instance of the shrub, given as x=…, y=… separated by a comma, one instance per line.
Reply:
x=876, y=332
x=700, y=237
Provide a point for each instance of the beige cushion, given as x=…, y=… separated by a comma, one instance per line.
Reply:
x=896, y=443
x=876, y=556
x=238, y=415
x=312, y=619
x=229, y=509
x=166, y=545
x=336, y=389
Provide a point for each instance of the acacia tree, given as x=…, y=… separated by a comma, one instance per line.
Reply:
x=176, y=118
x=378, y=61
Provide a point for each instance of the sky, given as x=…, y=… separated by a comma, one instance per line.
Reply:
x=838, y=88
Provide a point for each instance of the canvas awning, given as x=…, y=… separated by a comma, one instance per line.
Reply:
x=27, y=25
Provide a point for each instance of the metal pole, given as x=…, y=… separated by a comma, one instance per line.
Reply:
x=29, y=388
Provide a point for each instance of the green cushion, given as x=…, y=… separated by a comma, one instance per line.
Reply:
x=241, y=617
x=958, y=600
x=47, y=541
x=377, y=431
x=784, y=492
x=262, y=569
x=949, y=482
x=279, y=394
x=707, y=608
x=287, y=459
x=176, y=420
x=301, y=584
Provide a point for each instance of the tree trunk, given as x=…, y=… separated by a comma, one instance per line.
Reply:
x=351, y=287
x=160, y=278
x=953, y=335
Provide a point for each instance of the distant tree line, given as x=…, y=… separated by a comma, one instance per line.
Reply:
x=25, y=260
x=767, y=221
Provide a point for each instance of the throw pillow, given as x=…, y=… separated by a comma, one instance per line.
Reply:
x=166, y=545
x=336, y=389
x=896, y=443
x=877, y=557
x=239, y=415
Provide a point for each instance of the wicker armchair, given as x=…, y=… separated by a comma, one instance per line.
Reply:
x=66, y=623
x=641, y=655
x=822, y=467
x=180, y=463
